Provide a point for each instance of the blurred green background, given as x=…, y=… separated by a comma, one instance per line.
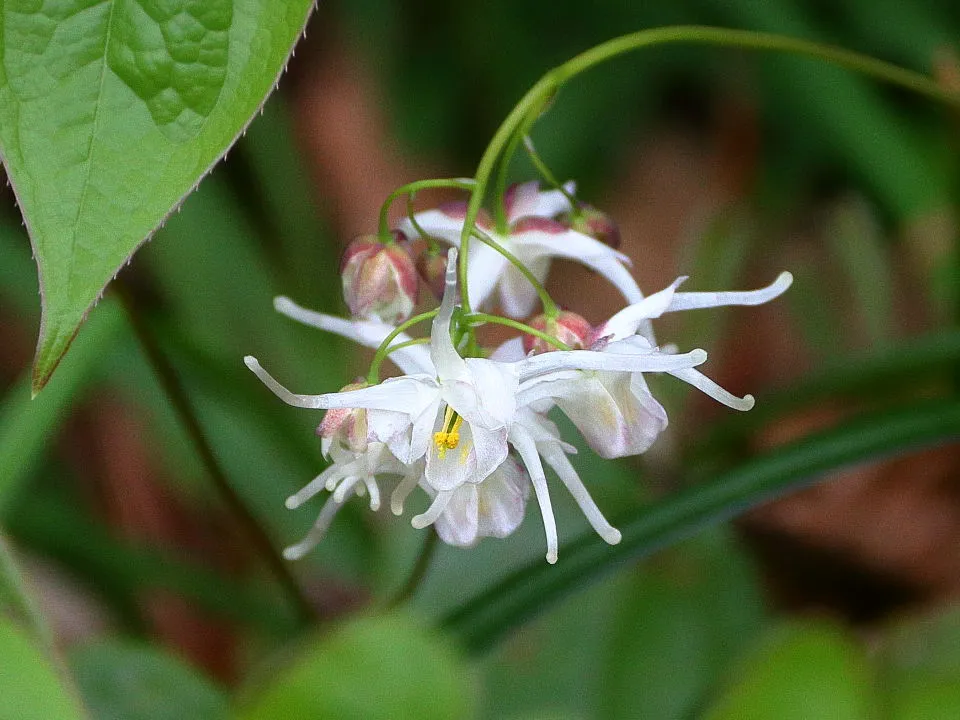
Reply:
x=724, y=165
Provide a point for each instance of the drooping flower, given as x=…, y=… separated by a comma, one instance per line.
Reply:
x=534, y=237
x=449, y=421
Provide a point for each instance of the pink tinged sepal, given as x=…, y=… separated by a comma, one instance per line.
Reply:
x=432, y=268
x=568, y=327
x=346, y=426
x=379, y=281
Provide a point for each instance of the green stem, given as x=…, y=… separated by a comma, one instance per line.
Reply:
x=516, y=325
x=411, y=216
x=408, y=343
x=549, y=306
x=547, y=174
x=689, y=34
x=419, y=571
x=373, y=376
x=414, y=187
x=180, y=402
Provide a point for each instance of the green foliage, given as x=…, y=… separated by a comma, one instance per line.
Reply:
x=111, y=114
x=375, y=667
x=800, y=672
x=121, y=680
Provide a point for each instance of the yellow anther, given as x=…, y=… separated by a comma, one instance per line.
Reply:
x=449, y=437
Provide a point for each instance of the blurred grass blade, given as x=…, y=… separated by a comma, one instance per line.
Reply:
x=531, y=590
x=913, y=365
x=854, y=236
x=26, y=425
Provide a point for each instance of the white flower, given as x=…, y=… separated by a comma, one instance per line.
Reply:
x=615, y=411
x=534, y=238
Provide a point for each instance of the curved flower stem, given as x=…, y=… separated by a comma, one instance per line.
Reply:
x=413, y=188
x=549, y=306
x=431, y=241
x=419, y=571
x=544, y=88
x=373, y=376
x=408, y=343
x=547, y=174
x=498, y=320
x=172, y=387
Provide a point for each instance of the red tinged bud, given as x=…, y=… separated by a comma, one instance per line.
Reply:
x=379, y=281
x=568, y=327
x=594, y=223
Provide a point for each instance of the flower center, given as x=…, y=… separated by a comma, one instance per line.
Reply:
x=449, y=437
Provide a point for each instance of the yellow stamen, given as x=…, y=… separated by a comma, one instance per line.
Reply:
x=449, y=437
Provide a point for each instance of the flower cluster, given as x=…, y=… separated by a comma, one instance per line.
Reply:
x=468, y=426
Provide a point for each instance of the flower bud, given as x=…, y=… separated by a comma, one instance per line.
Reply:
x=594, y=223
x=346, y=426
x=379, y=281
x=432, y=267
x=568, y=327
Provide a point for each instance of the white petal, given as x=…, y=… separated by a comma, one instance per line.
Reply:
x=693, y=300
x=433, y=512
x=316, y=533
x=403, y=393
x=402, y=491
x=445, y=357
x=334, y=472
x=607, y=360
x=521, y=200
x=518, y=297
x=531, y=459
x=552, y=202
x=509, y=351
x=369, y=333
x=708, y=386
x=502, y=500
x=435, y=223
x=628, y=321
x=484, y=270
x=458, y=523
x=568, y=475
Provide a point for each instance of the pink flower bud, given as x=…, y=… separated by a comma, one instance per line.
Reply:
x=568, y=327
x=432, y=267
x=595, y=223
x=379, y=281
x=346, y=426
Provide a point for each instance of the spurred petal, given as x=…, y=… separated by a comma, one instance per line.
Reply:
x=708, y=386
x=445, y=357
x=694, y=300
x=568, y=475
x=319, y=529
x=525, y=445
x=611, y=359
x=437, y=224
x=369, y=333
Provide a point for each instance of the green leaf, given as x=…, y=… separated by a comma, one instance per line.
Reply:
x=680, y=625
x=110, y=113
x=532, y=589
x=374, y=667
x=802, y=672
x=122, y=680
x=29, y=686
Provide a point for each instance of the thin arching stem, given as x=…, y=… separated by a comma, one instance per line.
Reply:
x=177, y=396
